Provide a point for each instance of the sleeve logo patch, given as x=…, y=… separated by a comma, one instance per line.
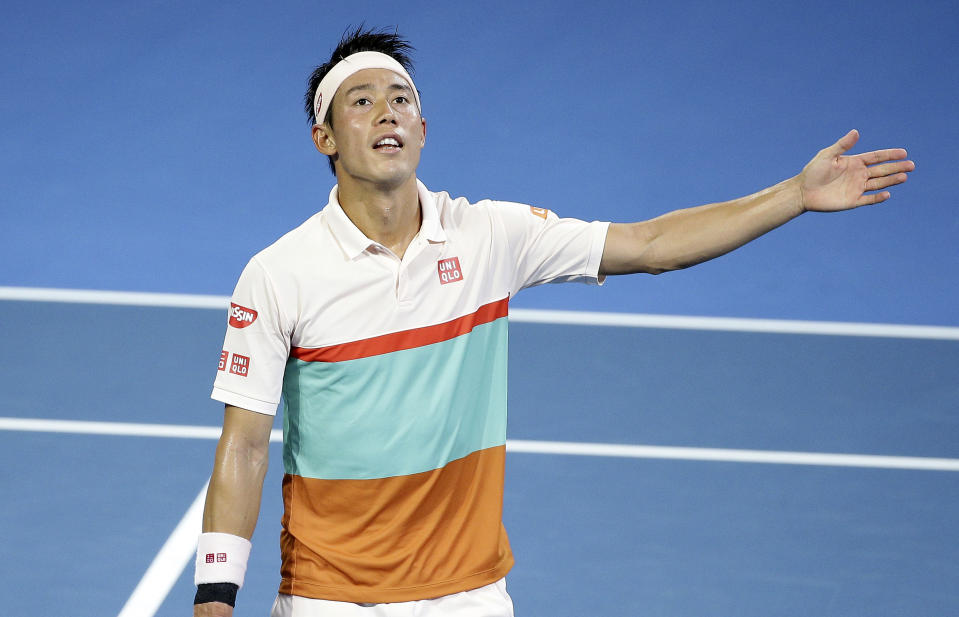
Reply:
x=540, y=212
x=240, y=365
x=224, y=356
x=449, y=270
x=240, y=316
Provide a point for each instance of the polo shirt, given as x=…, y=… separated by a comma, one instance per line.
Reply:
x=393, y=377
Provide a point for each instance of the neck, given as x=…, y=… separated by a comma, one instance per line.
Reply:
x=390, y=216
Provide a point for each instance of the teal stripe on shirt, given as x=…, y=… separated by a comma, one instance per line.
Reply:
x=399, y=413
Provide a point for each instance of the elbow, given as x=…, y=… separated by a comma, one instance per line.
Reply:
x=664, y=269
x=257, y=455
x=643, y=247
x=258, y=458
x=653, y=261
x=677, y=264
x=654, y=270
x=662, y=256
x=240, y=453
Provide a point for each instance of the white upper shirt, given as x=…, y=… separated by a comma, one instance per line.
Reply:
x=325, y=283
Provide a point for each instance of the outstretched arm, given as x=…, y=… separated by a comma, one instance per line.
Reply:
x=831, y=181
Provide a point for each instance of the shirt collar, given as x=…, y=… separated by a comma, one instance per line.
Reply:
x=431, y=228
x=354, y=242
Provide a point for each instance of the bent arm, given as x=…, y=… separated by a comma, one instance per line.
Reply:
x=233, y=499
x=236, y=486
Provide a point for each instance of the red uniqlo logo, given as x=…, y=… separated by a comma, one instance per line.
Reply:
x=221, y=557
x=223, y=358
x=240, y=366
x=209, y=557
x=449, y=270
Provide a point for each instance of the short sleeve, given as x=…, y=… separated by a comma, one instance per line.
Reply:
x=545, y=248
x=256, y=346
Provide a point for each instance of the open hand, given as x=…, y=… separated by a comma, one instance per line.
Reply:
x=832, y=181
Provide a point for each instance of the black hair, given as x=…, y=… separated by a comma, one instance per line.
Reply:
x=353, y=41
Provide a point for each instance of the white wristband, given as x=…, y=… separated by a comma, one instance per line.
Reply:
x=221, y=558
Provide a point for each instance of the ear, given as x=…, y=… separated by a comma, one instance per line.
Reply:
x=423, y=124
x=323, y=139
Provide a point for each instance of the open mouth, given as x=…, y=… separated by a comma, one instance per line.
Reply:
x=388, y=144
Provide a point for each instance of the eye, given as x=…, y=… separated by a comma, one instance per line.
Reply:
x=362, y=101
x=402, y=100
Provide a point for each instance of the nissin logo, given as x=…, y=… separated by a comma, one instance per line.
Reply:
x=240, y=316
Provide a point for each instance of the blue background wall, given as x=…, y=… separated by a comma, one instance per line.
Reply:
x=157, y=145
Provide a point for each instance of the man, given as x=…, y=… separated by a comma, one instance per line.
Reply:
x=382, y=323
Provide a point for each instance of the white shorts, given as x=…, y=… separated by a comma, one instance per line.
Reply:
x=489, y=601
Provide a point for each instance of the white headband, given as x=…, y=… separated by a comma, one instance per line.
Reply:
x=347, y=66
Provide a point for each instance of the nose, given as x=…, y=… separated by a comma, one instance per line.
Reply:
x=385, y=113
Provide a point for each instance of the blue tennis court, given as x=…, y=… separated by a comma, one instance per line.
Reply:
x=658, y=466
x=691, y=515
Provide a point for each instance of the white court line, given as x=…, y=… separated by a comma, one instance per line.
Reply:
x=175, y=555
x=733, y=456
x=581, y=318
x=734, y=324
x=168, y=565
x=123, y=298
x=177, y=551
x=528, y=447
x=84, y=427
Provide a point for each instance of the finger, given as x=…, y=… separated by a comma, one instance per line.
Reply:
x=880, y=183
x=891, y=168
x=845, y=143
x=872, y=198
x=881, y=156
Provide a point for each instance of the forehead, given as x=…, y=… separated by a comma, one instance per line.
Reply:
x=373, y=78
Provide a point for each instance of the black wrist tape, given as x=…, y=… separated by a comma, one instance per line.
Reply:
x=216, y=592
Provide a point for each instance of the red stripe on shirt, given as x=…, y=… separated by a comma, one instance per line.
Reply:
x=406, y=339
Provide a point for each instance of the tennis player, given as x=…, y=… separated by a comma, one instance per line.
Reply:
x=381, y=324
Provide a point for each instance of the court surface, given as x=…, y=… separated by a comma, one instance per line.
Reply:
x=662, y=468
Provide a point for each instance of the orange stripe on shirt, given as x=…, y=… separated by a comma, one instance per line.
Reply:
x=406, y=339
x=396, y=539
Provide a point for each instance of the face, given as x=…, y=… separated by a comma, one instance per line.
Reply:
x=377, y=131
